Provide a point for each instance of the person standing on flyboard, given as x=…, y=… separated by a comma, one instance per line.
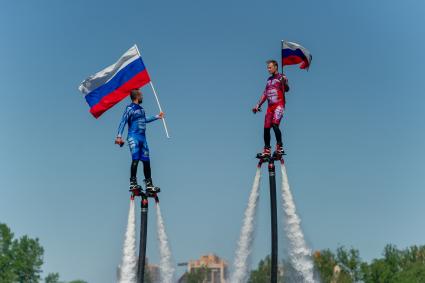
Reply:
x=134, y=115
x=274, y=93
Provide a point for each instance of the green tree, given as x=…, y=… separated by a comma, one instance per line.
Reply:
x=343, y=267
x=263, y=271
x=197, y=275
x=325, y=262
x=396, y=266
x=21, y=259
x=414, y=273
x=6, y=263
x=350, y=262
x=52, y=278
x=393, y=258
x=379, y=271
x=27, y=259
x=384, y=270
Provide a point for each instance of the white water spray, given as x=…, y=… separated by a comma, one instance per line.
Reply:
x=166, y=267
x=243, y=251
x=129, y=258
x=299, y=253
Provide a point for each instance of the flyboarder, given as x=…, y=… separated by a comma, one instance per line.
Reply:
x=136, y=119
x=274, y=93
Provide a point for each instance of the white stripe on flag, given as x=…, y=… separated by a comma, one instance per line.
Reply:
x=102, y=77
x=294, y=46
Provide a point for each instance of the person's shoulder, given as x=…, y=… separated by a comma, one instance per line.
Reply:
x=130, y=107
x=282, y=77
x=137, y=108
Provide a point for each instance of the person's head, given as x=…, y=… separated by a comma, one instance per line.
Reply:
x=272, y=66
x=136, y=96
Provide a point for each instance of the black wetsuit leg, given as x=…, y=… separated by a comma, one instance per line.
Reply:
x=278, y=134
x=267, y=137
x=133, y=169
x=147, y=169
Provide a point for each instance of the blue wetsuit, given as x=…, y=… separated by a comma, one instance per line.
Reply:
x=135, y=117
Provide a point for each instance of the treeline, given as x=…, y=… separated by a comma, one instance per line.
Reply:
x=394, y=266
x=21, y=259
x=346, y=266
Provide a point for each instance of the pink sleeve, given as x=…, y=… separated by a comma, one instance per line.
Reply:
x=285, y=86
x=263, y=98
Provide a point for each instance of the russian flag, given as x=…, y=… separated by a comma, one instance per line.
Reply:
x=293, y=54
x=108, y=87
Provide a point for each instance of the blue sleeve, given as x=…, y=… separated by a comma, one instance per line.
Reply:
x=124, y=121
x=151, y=118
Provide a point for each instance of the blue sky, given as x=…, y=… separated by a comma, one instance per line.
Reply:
x=354, y=125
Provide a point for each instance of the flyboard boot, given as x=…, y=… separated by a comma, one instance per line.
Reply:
x=279, y=150
x=265, y=154
x=150, y=188
x=134, y=186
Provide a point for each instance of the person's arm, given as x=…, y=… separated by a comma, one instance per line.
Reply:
x=285, y=85
x=263, y=98
x=154, y=118
x=124, y=120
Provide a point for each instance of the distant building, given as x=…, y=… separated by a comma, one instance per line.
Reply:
x=153, y=270
x=216, y=269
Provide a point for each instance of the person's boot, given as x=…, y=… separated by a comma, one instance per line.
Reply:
x=265, y=154
x=133, y=184
x=150, y=187
x=279, y=150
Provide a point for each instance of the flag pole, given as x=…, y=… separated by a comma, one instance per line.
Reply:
x=157, y=100
x=281, y=55
x=160, y=109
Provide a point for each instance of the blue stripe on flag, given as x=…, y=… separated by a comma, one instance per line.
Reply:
x=297, y=52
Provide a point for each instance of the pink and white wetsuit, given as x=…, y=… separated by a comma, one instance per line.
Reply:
x=274, y=93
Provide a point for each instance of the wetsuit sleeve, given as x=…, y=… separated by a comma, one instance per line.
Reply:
x=151, y=118
x=263, y=98
x=285, y=84
x=123, y=122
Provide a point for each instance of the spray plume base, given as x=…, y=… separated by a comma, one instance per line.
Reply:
x=144, y=194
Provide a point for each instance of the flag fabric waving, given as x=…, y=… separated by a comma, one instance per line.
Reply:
x=108, y=87
x=294, y=54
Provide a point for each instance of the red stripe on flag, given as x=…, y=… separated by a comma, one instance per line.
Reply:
x=291, y=60
x=120, y=93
